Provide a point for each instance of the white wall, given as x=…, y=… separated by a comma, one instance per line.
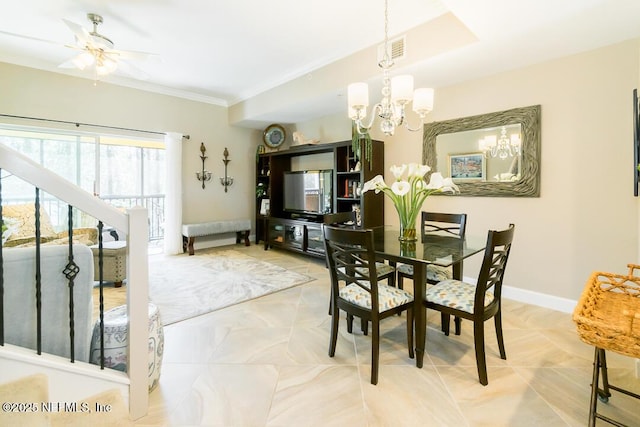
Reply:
x=586, y=217
x=34, y=93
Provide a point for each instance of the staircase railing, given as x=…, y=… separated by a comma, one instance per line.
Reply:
x=135, y=225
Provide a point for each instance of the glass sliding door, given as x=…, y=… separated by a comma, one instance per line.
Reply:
x=123, y=171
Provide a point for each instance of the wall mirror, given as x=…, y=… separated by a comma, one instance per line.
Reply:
x=495, y=154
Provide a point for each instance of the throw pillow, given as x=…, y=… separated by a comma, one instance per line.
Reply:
x=24, y=220
x=8, y=228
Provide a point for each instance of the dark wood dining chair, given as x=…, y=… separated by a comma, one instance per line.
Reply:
x=441, y=224
x=352, y=264
x=479, y=302
x=384, y=270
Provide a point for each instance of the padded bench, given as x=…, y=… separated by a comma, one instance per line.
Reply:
x=241, y=227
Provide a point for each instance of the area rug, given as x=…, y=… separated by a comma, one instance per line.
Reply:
x=187, y=286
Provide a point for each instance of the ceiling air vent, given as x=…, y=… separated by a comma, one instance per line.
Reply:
x=396, y=47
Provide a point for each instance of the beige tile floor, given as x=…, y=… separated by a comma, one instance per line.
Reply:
x=264, y=363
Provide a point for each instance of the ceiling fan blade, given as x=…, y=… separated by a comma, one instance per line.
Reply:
x=80, y=61
x=81, y=33
x=75, y=47
x=28, y=37
x=136, y=55
x=68, y=63
x=131, y=70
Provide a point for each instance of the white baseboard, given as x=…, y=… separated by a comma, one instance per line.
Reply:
x=564, y=305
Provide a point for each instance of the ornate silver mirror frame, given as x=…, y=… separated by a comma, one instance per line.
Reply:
x=529, y=183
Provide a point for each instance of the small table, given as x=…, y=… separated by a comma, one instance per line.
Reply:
x=439, y=250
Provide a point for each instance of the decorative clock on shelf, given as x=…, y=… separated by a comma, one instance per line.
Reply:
x=274, y=136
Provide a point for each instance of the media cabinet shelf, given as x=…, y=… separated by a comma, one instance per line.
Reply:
x=295, y=235
x=302, y=233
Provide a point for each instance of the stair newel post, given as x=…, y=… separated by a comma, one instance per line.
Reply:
x=137, y=311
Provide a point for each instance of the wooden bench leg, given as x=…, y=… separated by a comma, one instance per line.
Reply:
x=184, y=244
x=243, y=235
x=190, y=245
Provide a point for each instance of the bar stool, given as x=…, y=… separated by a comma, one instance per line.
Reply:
x=608, y=317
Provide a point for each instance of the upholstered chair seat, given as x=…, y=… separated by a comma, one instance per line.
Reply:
x=456, y=294
x=388, y=296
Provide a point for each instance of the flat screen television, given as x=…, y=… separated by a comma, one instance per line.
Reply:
x=308, y=191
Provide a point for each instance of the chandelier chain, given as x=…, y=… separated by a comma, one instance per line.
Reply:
x=386, y=62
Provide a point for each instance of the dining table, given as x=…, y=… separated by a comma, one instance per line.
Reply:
x=427, y=250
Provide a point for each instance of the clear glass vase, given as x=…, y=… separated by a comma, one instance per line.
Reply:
x=408, y=248
x=407, y=233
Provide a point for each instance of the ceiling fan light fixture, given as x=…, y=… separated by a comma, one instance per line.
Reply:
x=101, y=71
x=84, y=60
x=105, y=65
x=96, y=53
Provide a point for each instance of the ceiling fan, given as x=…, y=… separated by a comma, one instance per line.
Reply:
x=97, y=52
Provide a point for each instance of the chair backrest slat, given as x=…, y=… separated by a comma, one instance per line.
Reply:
x=494, y=264
x=351, y=259
x=437, y=223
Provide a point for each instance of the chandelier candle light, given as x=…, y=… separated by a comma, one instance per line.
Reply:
x=397, y=92
x=503, y=147
x=408, y=194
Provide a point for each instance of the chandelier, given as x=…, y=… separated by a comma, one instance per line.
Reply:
x=397, y=92
x=501, y=147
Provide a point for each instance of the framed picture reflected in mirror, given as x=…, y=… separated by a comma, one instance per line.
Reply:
x=467, y=167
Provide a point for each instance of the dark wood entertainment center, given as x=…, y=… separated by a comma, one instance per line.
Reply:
x=301, y=231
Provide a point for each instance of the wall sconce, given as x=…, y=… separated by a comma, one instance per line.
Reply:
x=205, y=175
x=227, y=180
